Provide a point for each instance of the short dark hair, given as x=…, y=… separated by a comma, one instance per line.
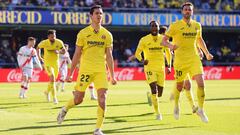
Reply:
x=162, y=29
x=31, y=38
x=51, y=31
x=95, y=7
x=187, y=4
x=153, y=21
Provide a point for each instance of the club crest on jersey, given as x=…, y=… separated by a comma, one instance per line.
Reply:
x=103, y=37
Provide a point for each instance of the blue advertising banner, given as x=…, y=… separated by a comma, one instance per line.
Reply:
x=112, y=18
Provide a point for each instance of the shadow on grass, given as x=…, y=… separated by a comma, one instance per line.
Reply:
x=111, y=105
x=216, y=99
x=133, y=129
x=114, y=118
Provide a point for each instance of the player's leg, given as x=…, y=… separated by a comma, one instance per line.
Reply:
x=24, y=80
x=201, y=97
x=101, y=84
x=91, y=89
x=180, y=75
x=51, y=85
x=28, y=79
x=189, y=93
x=62, y=78
x=77, y=99
x=83, y=80
x=197, y=73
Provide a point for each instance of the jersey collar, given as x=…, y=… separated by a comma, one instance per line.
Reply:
x=93, y=30
x=187, y=24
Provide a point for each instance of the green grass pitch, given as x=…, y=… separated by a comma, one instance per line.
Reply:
x=127, y=114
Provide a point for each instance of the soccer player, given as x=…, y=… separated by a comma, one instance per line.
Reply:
x=93, y=49
x=26, y=58
x=52, y=48
x=154, y=63
x=186, y=34
x=64, y=60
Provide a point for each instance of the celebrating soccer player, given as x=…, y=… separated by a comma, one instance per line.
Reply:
x=93, y=49
x=186, y=34
x=52, y=48
x=154, y=63
x=26, y=58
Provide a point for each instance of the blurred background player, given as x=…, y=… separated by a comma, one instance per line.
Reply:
x=26, y=58
x=154, y=63
x=187, y=34
x=93, y=52
x=52, y=48
x=64, y=61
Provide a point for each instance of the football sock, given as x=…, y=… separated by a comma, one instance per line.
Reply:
x=201, y=96
x=176, y=96
x=70, y=104
x=155, y=103
x=100, y=117
x=189, y=96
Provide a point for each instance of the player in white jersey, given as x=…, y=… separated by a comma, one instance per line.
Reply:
x=27, y=58
x=64, y=61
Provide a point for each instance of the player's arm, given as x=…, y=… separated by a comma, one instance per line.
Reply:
x=69, y=59
x=19, y=57
x=166, y=43
x=109, y=59
x=200, y=52
x=203, y=46
x=63, y=49
x=35, y=57
x=75, y=60
x=168, y=55
x=138, y=52
x=39, y=47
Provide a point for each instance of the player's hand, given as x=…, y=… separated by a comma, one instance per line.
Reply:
x=69, y=79
x=131, y=58
x=62, y=51
x=173, y=47
x=113, y=81
x=201, y=54
x=168, y=70
x=56, y=51
x=209, y=56
x=145, y=62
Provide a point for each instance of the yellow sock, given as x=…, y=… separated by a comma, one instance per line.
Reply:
x=201, y=96
x=176, y=97
x=189, y=96
x=53, y=89
x=49, y=87
x=155, y=103
x=100, y=117
x=70, y=104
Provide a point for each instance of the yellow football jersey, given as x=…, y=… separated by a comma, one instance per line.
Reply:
x=153, y=52
x=94, y=47
x=50, y=57
x=185, y=36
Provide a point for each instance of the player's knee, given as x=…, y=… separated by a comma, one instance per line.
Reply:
x=201, y=84
x=179, y=87
x=160, y=91
x=78, y=97
x=187, y=85
x=153, y=87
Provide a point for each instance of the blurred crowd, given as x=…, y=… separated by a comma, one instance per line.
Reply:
x=215, y=5
x=226, y=51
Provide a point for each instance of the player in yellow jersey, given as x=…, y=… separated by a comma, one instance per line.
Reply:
x=186, y=34
x=52, y=47
x=94, y=51
x=154, y=63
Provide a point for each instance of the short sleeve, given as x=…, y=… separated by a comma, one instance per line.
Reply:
x=170, y=31
x=109, y=42
x=79, y=41
x=41, y=44
x=199, y=32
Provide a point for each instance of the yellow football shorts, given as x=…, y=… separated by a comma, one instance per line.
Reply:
x=181, y=71
x=85, y=79
x=152, y=76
